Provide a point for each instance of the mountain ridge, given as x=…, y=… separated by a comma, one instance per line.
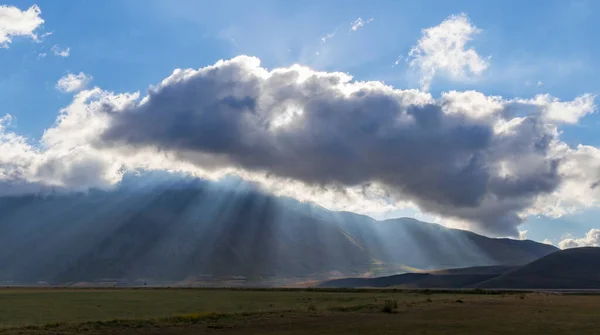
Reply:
x=192, y=229
x=571, y=269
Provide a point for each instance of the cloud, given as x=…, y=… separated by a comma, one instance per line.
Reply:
x=328, y=36
x=73, y=82
x=65, y=158
x=458, y=156
x=443, y=50
x=547, y=241
x=563, y=112
x=580, y=171
x=57, y=51
x=398, y=59
x=361, y=146
x=46, y=34
x=17, y=154
x=359, y=23
x=15, y=22
x=591, y=239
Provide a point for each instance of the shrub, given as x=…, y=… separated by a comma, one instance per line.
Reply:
x=389, y=306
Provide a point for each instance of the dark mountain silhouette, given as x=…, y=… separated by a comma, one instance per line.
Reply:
x=177, y=230
x=577, y=268
x=450, y=279
x=476, y=270
x=387, y=281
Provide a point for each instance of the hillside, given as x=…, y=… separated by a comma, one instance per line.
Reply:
x=411, y=280
x=566, y=269
x=449, y=278
x=476, y=270
x=416, y=243
x=577, y=268
x=178, y=231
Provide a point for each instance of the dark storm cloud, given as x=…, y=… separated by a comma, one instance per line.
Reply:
x=320, y=128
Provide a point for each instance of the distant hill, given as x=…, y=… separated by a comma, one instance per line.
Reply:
x=476, y=270
x=450, y=278
x=178, y=231
x=410, y=281
x=577, y=268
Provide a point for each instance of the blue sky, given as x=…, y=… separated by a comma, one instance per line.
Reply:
x=531, y=48
x=128, y=45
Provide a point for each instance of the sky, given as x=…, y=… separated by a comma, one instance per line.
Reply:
x=476, y=115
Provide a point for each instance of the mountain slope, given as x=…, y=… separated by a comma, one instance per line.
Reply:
x=476, y=270
x=411, y=281
x=577, y=268
x=430, y=246
x=180, y=230
x=448, y=278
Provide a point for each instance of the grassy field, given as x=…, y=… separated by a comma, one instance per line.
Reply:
x=204, y=311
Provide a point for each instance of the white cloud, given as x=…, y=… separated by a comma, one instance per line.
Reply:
x=538, y=84
x=73, y=82
x=42, y=55
x=443, y=49
x=580, y=168
x=398, y=59
x=563, y=111
x=591, y=239
x=65, y=158
x=547, y=241
x=328, y=36
x=57, y=51
x=17, y=155
x=474, y=104
x=15, y=22
x=312, y=135
x=359, y=23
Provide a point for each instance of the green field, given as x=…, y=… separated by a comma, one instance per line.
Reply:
x=205, y=311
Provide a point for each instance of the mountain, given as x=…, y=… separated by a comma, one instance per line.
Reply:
x=577, y=268
x=476, y=270
x=430, y=246
x=573, y=269
x=449, y=279
x=183, y=230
